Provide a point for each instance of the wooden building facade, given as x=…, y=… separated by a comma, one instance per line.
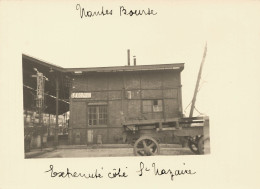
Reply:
x=101, y=99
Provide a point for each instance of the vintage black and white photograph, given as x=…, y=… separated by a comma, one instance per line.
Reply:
x=129, y=94
x=109, y=111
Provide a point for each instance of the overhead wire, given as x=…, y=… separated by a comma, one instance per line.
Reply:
x=46, y=94
x=200, y=86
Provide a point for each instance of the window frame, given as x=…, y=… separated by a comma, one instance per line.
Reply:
x=97, y=115
x=150, y=105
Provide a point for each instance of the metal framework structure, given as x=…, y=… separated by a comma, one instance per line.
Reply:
x=40, y=78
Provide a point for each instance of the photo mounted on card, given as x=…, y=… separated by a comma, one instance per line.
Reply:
x=127, y=110
x=122, y=94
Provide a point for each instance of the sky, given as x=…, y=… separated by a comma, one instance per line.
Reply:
x=229, y=93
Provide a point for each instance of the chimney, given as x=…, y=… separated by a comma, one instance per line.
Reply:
x=128, y=57
x=134, y=60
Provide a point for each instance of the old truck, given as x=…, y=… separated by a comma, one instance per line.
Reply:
x=146, y=133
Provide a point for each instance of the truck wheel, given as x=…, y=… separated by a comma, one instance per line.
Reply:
x=193, y=144
x=146, y=146
x=203, y=145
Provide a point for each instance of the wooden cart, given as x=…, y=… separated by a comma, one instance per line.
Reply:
x=145, y=134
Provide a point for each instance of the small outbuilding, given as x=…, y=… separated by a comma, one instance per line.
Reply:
x=102, y=99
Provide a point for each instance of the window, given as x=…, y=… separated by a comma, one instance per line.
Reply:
x=97, y=115
x=152, y=106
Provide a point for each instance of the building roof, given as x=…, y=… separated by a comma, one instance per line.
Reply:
x=173, y=66
x=42, y=63
x=179, y=66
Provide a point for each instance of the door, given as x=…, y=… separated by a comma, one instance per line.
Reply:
x=90, y=136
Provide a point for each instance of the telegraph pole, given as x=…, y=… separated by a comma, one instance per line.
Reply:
x=198, y=81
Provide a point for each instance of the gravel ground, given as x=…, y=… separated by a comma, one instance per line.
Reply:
x=106, y=152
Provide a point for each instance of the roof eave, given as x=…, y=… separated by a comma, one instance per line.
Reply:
x=43, y=63
x=78, y=71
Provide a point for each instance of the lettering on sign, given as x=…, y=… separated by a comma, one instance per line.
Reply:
x=81, y=95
